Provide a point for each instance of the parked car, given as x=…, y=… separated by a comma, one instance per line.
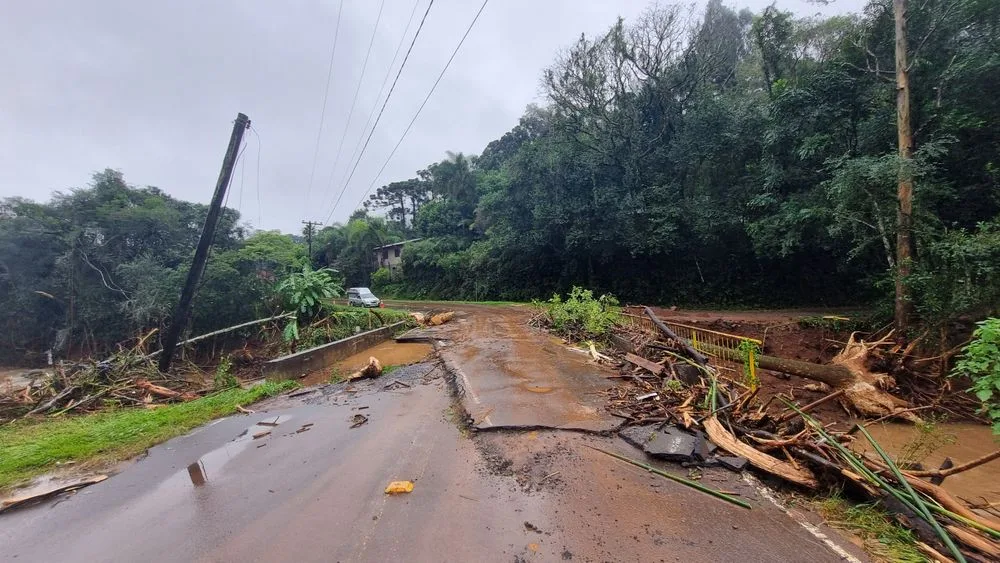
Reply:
x=362, y=297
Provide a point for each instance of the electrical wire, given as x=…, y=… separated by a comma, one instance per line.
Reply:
x=408, y=127
x=322, y=113
x=381, y=111
x=385, y=81
x=357, y=91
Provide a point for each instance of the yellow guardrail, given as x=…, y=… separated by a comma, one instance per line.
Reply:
x=719, y=345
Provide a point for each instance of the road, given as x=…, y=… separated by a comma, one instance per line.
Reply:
x=518, y=485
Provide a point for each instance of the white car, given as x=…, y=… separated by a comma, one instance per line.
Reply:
x=362, y=297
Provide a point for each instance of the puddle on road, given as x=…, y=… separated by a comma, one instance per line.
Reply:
x=971, y=441
x=389, y=353
x=211, y=464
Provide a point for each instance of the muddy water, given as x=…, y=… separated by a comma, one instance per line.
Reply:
x=971, y=441
x=389, y=353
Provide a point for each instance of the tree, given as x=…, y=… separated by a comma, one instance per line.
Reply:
x=904, y=217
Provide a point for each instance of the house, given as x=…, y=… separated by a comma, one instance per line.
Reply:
x=390, y=256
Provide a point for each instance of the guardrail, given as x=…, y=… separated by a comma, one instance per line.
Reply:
x=722, y=346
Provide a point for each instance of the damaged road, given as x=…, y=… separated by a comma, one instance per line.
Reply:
x=314, y=488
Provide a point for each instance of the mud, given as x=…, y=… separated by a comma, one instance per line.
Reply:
x=514, y=376
x=970, y=442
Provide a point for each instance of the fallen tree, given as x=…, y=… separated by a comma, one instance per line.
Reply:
x=864, y=390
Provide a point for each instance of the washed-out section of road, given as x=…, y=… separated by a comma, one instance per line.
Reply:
x=514, y=376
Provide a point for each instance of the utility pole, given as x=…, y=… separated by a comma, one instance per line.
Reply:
x=204, y=243
x=904, y=193
x=310, y=228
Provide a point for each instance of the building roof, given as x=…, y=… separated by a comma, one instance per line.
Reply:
x=397, y=243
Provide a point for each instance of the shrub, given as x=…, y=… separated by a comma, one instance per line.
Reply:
x=305, y=292
x=381, y=278
x=580, y=315
x=981, y=362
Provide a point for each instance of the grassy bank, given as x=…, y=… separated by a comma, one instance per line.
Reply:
x=883, y=538
x=32, y=447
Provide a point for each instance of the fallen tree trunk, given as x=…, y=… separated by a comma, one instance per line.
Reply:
x=862, y=389
x=691, y=352
x=832, y=375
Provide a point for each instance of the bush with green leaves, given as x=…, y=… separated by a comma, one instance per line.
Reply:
x=381, y=278
x=581, y=314
x=981, y=362
x=305, y=292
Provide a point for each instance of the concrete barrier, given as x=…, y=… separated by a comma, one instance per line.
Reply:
x=294, y=366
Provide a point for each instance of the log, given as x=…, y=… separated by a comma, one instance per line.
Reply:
x=975, y=541
x=938, y=493
x=373, y=369
x=164, y=392
x=654, y=368
x=691, y=352
x=725, y=440
x=832, y=375
x=441, y=318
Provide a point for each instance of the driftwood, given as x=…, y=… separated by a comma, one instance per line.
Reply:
x=722, y=438
x=441, y=318
x=975, y=541
x=652, y=367
x=942, y=473
x=14, y=502
x=161, y=391
x=373, y=369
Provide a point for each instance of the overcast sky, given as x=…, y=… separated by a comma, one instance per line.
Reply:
x=151, y=89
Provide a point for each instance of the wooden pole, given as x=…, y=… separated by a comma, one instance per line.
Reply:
x=310, y=228
x=904, y=193
x=204, y=244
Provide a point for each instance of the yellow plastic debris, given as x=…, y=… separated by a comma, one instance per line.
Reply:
x=397, y=487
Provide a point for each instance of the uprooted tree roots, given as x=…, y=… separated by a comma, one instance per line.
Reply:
x=864, y=390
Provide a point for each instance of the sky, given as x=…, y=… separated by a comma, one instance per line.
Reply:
x=152, y=89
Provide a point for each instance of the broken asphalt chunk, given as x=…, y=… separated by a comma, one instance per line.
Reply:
x=734, y=463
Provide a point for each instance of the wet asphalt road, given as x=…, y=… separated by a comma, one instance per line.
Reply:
x=312, y=490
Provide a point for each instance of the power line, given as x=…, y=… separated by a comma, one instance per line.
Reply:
x=322, y=113
x=382, y=110
x=408, y=127
x=350, y=114
x=385, y=80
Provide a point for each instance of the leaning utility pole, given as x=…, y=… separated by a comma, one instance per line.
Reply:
x=904, y=216
x=201, y=253
x=310, y=226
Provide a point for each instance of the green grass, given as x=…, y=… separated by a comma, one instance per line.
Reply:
x=884, y=539
x=32, y=447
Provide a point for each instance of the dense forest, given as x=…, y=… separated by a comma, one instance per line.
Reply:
x=717, y=157
x=729, y=158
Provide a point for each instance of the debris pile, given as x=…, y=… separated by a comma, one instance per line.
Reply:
x=126, y=379
x=678, y=406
